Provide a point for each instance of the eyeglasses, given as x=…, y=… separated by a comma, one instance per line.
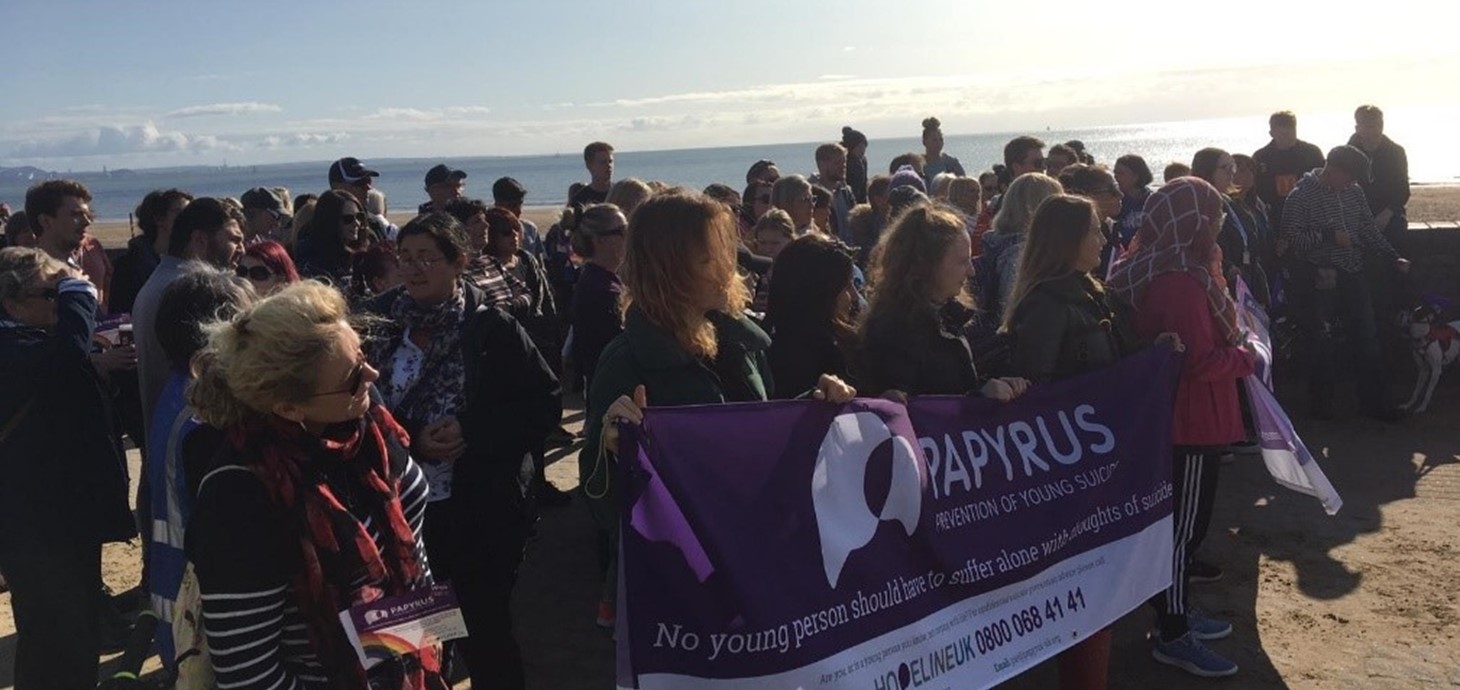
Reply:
x=420, y=262
x=352, y=384
x=259, y=273
x=358, y=218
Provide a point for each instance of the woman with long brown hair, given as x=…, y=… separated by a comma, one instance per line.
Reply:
x=912, y=338
x=686, y=341
x=1064, y=325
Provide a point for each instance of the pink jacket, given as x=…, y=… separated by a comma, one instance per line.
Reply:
x=1207, y=411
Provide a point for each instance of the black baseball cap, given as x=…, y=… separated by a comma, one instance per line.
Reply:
x=442, y=173
x=507, y=190
x=350, y=169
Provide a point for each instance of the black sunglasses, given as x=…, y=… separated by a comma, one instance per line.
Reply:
x=254, y=272
x=358, y=218
x=352, y=384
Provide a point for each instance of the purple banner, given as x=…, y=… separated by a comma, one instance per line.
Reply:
x=874, y=546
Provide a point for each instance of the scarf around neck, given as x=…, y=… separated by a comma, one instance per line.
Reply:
x=440, y=389
x=323, y=483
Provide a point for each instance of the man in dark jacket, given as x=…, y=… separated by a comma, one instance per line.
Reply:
x=155, y=215
x=1283, y=161
x=1388, y=189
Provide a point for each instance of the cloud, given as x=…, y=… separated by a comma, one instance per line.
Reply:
x=249, y=108
x=301, y=140
x=116, y=140
x=455, y=112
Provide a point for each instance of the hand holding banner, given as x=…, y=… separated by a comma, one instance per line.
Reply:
x=872, y=545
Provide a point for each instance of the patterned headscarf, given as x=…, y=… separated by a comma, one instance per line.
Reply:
x=1177, y=236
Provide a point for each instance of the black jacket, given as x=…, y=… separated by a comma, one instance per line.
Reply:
x=1278, y=171
x=919, y=354
x=512, y=397
x=61, y=471
x=799, y=356
x=1390, y=168
x=1065, y=327
x=130, y=273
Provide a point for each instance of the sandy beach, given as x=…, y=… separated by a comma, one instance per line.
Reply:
x=1429, y=204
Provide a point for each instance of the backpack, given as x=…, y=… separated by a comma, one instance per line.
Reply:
x=991, y=349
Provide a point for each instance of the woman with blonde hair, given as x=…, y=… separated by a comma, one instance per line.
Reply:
x=627, y=194
x=912, y=338
x=312, y=505
x=686, y=341
x=994, y=281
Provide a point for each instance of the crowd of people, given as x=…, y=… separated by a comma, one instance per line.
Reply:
x=333, y=409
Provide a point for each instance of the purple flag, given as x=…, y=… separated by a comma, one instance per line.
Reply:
x=872, y=545
x=1283, y=452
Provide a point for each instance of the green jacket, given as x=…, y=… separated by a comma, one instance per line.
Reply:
x=646, y=355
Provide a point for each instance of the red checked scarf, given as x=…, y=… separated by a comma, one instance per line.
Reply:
x=337, y=550
x=1177, y=237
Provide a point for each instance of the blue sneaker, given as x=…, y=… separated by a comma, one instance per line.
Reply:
x=1205, y=628
x=1189, y=654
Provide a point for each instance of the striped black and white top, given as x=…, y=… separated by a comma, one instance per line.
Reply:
x=245, y=554
x=1313, y=213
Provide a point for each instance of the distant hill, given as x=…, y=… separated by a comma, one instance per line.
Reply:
x=23, y=173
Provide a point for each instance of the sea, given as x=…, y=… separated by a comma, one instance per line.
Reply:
x=547, y=177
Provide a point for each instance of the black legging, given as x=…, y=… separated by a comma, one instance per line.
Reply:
x=475, y=541
x=1194, y=479
x=54, y=591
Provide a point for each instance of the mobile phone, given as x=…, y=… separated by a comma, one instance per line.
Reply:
x=124, y=335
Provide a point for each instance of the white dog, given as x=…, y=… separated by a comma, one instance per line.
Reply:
x=1436, y=344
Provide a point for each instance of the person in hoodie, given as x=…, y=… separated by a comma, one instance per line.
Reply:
x=993, y=280
x=1283, y=161
x=1173, y=279
x=1388, y=190
x=1327, y=229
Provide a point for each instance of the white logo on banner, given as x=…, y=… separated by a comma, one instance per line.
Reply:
x=843, y=518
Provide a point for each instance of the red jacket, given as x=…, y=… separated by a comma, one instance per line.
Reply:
x=1207, y=412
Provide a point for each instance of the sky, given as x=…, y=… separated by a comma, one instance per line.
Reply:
x=163, y=83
